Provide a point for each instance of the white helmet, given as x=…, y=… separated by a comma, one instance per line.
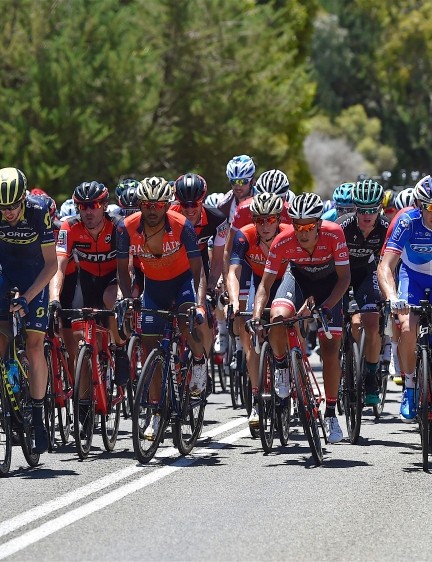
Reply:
x=154, y=189
x=306, y=206
x=290, y=196
x=423, y=190
x=266, y=204
x=240, y=168
x=405, y=198
x=272, y=181
x=213, y=199
x=68, y=209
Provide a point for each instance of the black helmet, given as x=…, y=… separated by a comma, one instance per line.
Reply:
x=13, y=184
x=125, y=184
x=190, y=187
x=128, y=198
x=90, y=191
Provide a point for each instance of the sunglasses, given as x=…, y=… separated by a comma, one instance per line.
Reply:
x=345, y=210
x=427, y=207
x=265, y=220
x=190, y=204
x=304, y=227
x=12, y=207
x=91, y=205
x=368, y=210
x=244, y=181
x=390, y=210
x=153, y=205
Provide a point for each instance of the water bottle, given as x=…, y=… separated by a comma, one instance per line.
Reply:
x=13, y=376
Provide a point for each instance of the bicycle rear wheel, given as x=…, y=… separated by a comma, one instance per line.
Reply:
x=146, y=406
x=382, y=387
x=187, y=429
x=110, y=421
x=49, y=401
x=26, y=429
x=64, y=413
x=424, y=406
x=352, y=389
x=5, y=428
x=136, y=362
x=307, y=406
x=266, y=398
x=83, y=403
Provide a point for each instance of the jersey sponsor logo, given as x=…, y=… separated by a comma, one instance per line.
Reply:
x=340, y=245
x=108, y=238
x=203, y=239
x=343, y=255
x=421, y=249
x=96, y=258
x=360, y=251
x=257, y=258
x=397, y=232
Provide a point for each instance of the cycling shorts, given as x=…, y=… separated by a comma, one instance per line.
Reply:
x=366, y=290
x=165, y=295
x=37, y=318
x=93, y=288
x=292, y=294
x=245, y=282
x=67, y=294
x=412, y=285
x=254, y=286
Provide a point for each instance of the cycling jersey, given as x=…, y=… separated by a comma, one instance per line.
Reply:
x=392, y=225
x=21, y=257
x=330, y=215
x=179, y=244
x=96, y=257
x=243, y=215
x=212, y=224
x=330, y=251
x=412, y=240
x=228, y=205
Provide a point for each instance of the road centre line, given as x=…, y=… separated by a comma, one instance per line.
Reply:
x=69, y=498
x=35, y=535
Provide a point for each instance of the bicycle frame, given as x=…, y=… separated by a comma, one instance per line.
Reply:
x=59, y=360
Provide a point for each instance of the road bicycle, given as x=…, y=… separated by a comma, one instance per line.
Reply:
x=218, y=361
x=95, y=390
x=60, y=383
x=163, y=390
x=424, y=375
x=237, y=366
x=15, y=401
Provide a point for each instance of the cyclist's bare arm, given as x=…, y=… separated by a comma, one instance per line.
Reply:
x=386, y=269
x=56, y=283
x=233, y=285
x=124, y=277
x=343, y=281
x=216, y=266
x=227, y=253
x=196, y=266
x=263, y=293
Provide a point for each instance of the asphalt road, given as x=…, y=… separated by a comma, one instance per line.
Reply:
x=227, y=501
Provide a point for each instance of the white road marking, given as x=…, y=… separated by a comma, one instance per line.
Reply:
x=23, y=541
x=76, y=495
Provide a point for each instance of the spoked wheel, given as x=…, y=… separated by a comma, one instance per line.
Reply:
x=83, y=403
x=307, y=406
x=110, y=422
x=266, y=398
x=49, y=402
x=352, y=390
x=424, y=406
x=64, y=413
x=136, y=362
x=382, y=387
x=150, y=407
x=236, y=381
x=254, y=431
x=187, y=429
x=283, y=420
x=5, y=429
x=26, y=430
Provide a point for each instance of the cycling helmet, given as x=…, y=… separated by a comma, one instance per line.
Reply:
x=290, y=196
x=190, y=188
x=90, y=191
x=266, y=204
x=128, y=198
x=38, y=191
x=423, y=190
x=13, y=184
x=342, y=195
x=240, y=167
x=68, y=209
x=213, y=199
x=388, y=199
x=51, y=204
x=125, y=184
x=405, y=198
x=306, y=206
x=328, y=204
x=272, y=181
x=367, y=193
x=154, y=189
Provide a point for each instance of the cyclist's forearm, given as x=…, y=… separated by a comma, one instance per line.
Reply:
x=124, y=278
x=216, y=266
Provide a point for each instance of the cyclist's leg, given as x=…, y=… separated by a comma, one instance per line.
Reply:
x=66, y=300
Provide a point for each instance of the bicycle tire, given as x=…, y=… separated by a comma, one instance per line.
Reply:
x=352, y=389
x=84, y=408
x=382, y=387
x=136, y=361
x=49, y=400
x=143, y=408
x=283, y=420
x=237, y=382
x=266, y=398
x=64, y=413
x=424, y=406
x=192, y=415
x=307, y=406
x=5, y=428
x=26, y=430
x=110, y=421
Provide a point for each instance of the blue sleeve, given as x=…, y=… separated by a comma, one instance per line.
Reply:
x=189, y=238
x=401, y=233
x=239, y=249
x=123, y=241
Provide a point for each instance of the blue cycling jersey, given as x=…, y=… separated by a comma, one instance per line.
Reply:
x=330, y=215
x=413, y=241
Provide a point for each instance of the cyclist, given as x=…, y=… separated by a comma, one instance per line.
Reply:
x=389, y=205
x=319, y=267
x=251, y=248
x=166, y=245
x=91, y=237
x=365, y=232
x=28, y=262
x=67, y=209
x=410, y=242
x=342, y=197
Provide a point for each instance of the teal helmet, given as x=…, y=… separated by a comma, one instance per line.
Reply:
x=367, y=193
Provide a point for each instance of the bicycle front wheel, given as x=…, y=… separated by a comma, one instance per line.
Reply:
x=307, y=406
x=266, y=398
x=382, y=387
x=424, y=406
x=26, y=429
x=49, y=401
x=136, y=362
x=352, y=390
x=64, y=412
x=5, y=429
x=110, y=422
x=150, y=409
x=83, y=403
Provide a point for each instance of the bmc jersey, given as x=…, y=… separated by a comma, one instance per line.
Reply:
x=363, y=251
x=246, y=250
x=179, y=244
x=21, y=245
x=97, y=257
x=413, y=241
x=330, y=250
x=243, y=215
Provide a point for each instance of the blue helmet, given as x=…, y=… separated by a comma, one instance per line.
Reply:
x=240, y=168
x=342, y=195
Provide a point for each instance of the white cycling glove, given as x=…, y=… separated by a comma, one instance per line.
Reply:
x=398, y=304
